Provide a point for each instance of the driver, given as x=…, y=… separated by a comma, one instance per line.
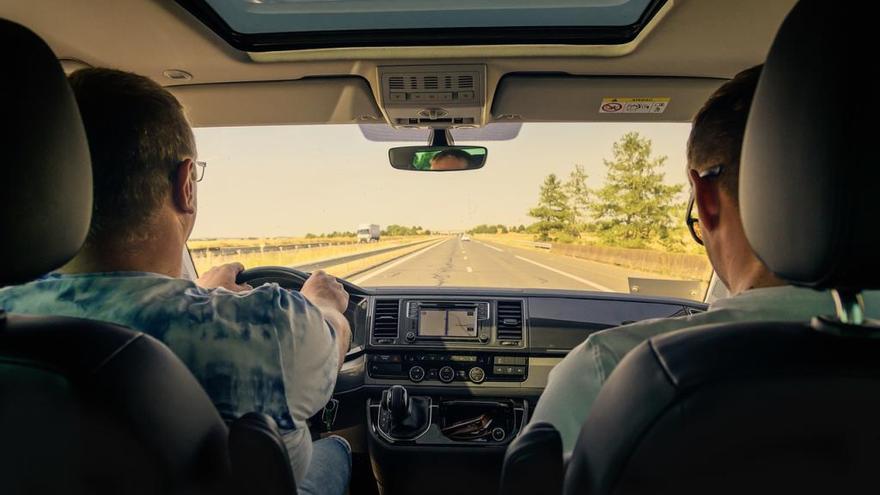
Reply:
x=451, y=159
x=263, y=349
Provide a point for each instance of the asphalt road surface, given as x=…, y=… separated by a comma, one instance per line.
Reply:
x=452, y=262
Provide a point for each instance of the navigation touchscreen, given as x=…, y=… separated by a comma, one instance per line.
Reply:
x=448, y=323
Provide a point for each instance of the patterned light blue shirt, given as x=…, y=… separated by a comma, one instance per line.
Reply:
x=267, y=350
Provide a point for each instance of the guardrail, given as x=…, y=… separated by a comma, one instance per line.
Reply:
x=320, y=264
x=226, y=251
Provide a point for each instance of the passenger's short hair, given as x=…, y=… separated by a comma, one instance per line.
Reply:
x=138, y=135
x=717, y=134
x=452, y=153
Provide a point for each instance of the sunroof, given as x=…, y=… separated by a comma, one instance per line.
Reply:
x=262, y=25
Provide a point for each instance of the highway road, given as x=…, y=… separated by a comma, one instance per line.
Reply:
x=452, y=262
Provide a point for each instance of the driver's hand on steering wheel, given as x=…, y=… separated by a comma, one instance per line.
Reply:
x=324, y=291
x=223, y=276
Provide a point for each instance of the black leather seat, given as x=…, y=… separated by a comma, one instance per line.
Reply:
x=88, y=407
x=770, y=407
x=533, y=462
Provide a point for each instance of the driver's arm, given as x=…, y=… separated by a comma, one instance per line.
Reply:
x=340, y=326
x=328, y=295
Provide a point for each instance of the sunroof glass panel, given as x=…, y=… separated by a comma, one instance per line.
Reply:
x=302, y=16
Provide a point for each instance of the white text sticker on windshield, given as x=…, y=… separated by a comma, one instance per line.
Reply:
x=633, y=105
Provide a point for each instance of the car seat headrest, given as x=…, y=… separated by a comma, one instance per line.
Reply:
x=809, y=174
x=46, y=170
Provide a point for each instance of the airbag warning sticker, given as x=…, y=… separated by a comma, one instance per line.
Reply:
x=633, y=105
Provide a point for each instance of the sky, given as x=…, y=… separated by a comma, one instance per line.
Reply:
x=291, y=180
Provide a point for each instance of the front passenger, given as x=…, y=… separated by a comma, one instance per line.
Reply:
x=713, y=154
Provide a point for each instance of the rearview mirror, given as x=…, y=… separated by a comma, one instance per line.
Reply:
x=437, y=158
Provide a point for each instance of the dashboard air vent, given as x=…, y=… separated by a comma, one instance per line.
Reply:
x=396, y=83
x=385, y=318
x=510, y=320
x=465, y=82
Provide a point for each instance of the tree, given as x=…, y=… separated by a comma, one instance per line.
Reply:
x=578, y=195
x=553, y=212
x=634, y=208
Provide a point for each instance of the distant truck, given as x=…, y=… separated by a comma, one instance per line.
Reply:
x=368, y=232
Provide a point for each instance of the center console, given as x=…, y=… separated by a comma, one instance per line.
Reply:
x=442, y=368
x=399, y=418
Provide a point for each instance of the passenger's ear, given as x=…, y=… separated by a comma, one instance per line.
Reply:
x=183, y=190
x=707, y=197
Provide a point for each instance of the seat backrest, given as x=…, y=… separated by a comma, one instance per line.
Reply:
x=88, y=407
x=744, y=408
x=96, y=408
x=533, y=462
x=769, y=407
x=260, y=462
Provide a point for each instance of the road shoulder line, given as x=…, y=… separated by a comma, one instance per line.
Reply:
x=566, y=274
x=490, y=246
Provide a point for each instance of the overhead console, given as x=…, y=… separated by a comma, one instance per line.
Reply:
x=437, y=96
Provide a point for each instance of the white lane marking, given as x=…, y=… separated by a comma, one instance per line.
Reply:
x=385, y=268
x=565, y=274
x=492, y=247
x=469, y=269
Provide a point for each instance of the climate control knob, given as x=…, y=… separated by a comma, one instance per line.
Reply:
x=417, y=373
x=476, y=374
x=446, y=374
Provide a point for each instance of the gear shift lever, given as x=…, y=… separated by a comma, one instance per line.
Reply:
x=398, y=403
x=405, y=417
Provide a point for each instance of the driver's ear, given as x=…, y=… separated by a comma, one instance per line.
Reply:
x=183, y=189
x=707, y=197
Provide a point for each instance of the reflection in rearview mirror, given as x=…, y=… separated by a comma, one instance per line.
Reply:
x=437, y=158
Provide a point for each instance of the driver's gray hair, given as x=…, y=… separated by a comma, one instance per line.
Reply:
x=138, y=136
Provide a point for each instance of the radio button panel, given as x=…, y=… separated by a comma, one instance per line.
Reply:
x=448, y=367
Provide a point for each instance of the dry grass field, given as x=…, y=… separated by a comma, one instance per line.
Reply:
x=682, y=266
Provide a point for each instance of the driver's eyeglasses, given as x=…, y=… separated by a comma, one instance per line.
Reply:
x=693, y=222
x=199, y=171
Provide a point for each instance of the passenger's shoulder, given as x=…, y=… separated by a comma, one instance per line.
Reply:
x=622, y=339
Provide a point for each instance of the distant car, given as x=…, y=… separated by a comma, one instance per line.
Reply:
x=465, y=237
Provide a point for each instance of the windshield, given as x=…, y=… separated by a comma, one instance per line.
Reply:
x=592, y=206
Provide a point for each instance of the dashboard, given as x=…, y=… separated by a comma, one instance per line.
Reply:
x=481, y=341
x=441, y=380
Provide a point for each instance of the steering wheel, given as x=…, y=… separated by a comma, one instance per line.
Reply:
x=289, y=278
x=293, y=279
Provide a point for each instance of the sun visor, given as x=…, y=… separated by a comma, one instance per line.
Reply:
x=337, y=100
x=563, y=98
